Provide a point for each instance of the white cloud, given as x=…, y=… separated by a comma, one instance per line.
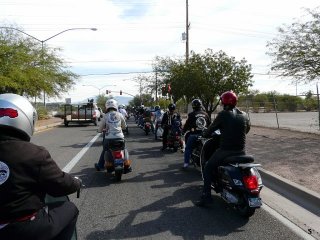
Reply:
x=131, y=33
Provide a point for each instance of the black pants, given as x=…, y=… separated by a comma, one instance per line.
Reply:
x=165, y=137
x=58, y=224
x=211, y=168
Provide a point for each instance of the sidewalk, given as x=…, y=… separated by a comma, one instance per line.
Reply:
x=47, y=123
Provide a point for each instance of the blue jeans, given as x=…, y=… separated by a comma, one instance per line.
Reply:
x=189, y=145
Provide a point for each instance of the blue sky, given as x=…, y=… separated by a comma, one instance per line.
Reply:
x=131, y=33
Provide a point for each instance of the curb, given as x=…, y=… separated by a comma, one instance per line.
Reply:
x=41, y=128
x=298, y=194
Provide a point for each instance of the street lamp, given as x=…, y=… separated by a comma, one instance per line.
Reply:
x=45, y=40
x=100, y=88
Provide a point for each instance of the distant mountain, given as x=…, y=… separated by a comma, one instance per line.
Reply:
x=120, y=99
x=123, y=99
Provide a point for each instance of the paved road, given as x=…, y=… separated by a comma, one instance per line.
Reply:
x=152, y=202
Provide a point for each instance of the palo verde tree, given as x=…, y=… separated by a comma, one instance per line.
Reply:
x=205, y=76
x=28, y=69
x=296, y=50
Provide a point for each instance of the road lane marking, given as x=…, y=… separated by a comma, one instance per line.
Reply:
x=77, y=158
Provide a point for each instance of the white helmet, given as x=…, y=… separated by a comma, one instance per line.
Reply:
x=121, y=106
x=17, y=113
x=111, y=103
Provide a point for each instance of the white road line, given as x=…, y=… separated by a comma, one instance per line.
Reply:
x=77, y=158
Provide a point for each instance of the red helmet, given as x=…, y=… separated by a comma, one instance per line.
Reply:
x=229, y=98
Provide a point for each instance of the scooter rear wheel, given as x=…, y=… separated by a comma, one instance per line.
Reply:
x=118, y=176
x=244, y=209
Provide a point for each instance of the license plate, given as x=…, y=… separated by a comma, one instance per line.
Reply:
x=254, y=202
x=118, y=161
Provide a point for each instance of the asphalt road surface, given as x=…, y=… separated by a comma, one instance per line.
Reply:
x=155, y=201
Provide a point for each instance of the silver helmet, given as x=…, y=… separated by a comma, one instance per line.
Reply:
x=16, y=112
x=111, y=103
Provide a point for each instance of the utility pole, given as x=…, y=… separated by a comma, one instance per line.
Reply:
x=156, y=87
x=318, y=98
x=187, y=31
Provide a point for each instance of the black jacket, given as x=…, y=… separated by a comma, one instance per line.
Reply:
x=234, y=125
x=167, y=119
x=192, y=119
x=27, y=174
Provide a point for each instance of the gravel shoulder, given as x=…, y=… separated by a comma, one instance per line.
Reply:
x=290, y=154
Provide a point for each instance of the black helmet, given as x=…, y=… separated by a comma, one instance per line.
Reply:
x=156, y=108
x=196, y=103
x=172, y=107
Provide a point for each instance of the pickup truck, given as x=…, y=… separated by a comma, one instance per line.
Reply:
x=81, y=113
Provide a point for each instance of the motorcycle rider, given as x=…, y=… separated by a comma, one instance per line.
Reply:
x=233, y=125
x=125, y=115
x=157, y=117
x=113, y=123
x=123, y=111
x=191, y=125
x=166, y=122
x=28, y=173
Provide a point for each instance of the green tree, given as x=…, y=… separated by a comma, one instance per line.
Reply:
x=101, y=101
x=296, y=50
x=205, y=76
x=310, y=102
x=27, y=69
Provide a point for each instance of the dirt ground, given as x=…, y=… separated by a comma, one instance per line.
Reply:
x=292, y=155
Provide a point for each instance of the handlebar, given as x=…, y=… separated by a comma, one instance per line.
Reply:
x=81, y=186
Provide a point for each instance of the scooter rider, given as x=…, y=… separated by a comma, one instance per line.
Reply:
x=123, y=111
x=157, y=117
x=191, y=125
x=233, y=125
x=113, y=123
x=28, y=173
x=167, y=119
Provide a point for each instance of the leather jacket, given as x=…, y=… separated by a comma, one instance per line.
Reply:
x=233, y=125
x=27, y=174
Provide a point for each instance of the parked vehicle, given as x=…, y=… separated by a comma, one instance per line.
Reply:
x=238, y=181
x=117, y=158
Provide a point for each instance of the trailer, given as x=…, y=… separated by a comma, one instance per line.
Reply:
x=81, y=114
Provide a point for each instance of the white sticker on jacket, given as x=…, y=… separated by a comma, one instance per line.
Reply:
x=4, y=172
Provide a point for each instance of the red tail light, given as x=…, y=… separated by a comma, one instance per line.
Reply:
x=8, y=112
x=251, y=182
x=117, y=154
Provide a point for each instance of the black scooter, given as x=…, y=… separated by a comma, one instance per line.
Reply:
x=238, y=180
x=51, y=199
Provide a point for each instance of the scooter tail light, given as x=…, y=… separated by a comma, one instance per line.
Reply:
x=127, y=162
x=251, y=183
x=117, y=154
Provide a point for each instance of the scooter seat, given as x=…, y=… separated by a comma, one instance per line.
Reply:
x=116, y=144
x=239, y=159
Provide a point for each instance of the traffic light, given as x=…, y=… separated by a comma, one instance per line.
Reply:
x=169, y=88
x=163, y=90
x=120, y=92
x=107, y=91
